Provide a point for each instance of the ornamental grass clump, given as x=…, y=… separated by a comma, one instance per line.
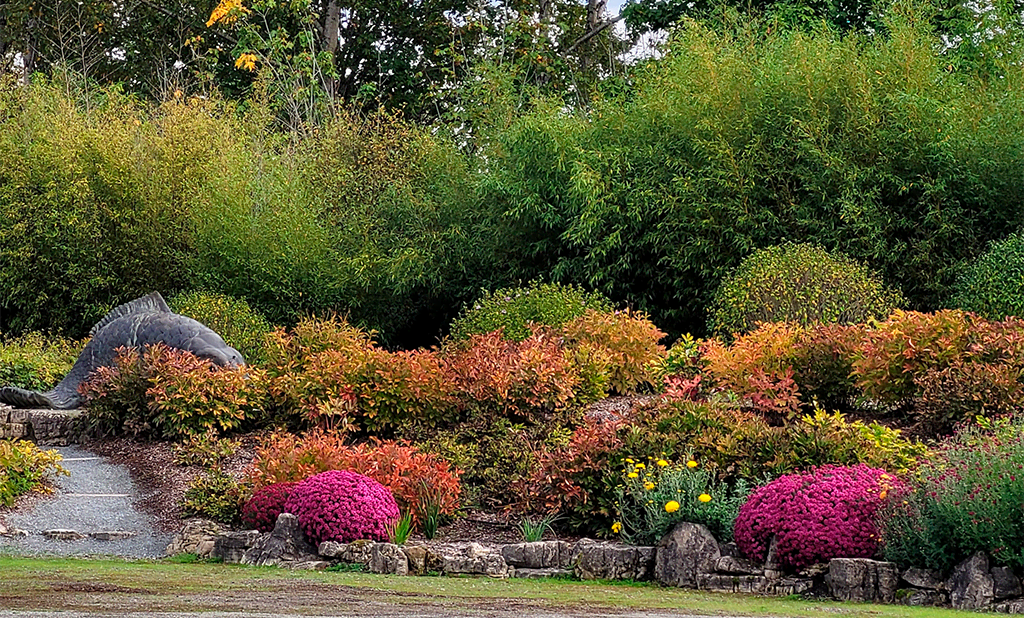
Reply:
x=828, y=512
x=656, y=495
x=343, y=506
x=966, y=497
x=266, y=504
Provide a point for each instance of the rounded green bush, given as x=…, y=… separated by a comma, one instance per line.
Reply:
x=799, y=283
x=512, y=309
x=232, y=318
x=993, y=284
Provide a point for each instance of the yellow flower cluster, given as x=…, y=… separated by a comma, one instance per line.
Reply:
x=671, y=506
x=617, y=527
x=246, y=62
x=226, y=12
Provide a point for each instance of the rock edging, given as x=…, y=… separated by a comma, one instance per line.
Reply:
x=688, y=557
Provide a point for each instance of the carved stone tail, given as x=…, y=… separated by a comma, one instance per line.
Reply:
x=22, y=398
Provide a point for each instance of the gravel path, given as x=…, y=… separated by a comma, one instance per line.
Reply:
x=98, y=497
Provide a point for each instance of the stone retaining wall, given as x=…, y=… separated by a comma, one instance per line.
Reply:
x=44, y=427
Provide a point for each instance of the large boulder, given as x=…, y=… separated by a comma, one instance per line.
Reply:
x=862, y=580
x=929, y=579
x=467, y=559
x=1004, y=583
x=598, y=560
x=197, y=536
x=230, y=547
x=538, y=555
x=285, y=546
x=416, y=557
x=356, y=552
x=922, y=597
x=971, y=585
x=388, y=559
x=730, y=565
x=683, y=554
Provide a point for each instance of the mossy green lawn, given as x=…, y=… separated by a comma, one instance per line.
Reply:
x=163, y=586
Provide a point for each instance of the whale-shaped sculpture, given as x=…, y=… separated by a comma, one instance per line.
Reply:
x=144, y=321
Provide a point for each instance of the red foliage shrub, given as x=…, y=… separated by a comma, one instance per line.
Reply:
x=261, y=510
x=333, y=374
x=773, y=394
x=826, y=513
x=525, y=379
x=963, y=391
x=415, y=478
x=402, y=386
x=342, y=506
x=759, y=365
x=579, y=479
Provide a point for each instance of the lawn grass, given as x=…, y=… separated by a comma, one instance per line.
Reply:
x=28, y=583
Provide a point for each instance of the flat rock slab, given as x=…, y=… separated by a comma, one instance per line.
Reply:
x=97, y=501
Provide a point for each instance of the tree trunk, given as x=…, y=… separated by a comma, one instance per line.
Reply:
x=330, y=41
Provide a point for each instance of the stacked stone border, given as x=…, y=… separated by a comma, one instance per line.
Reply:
x=688, y=557
x=44, y=427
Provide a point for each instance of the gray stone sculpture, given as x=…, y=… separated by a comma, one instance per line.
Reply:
x=144, y=321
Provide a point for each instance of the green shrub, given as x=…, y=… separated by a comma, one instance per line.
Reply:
x=991, y=284
x=206, y=450
x=24, y=468
x=232, y=318
x=799, y=283
x=657, y=494
x=36, y=362
x=513, y=309
x=965, y=498
x=739, y=443
x=215, y=495
x=480, y=446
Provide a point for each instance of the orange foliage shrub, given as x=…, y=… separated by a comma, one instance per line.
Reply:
x=628, y=340
x=170, y=393
x=331, y=373
x=907, y=345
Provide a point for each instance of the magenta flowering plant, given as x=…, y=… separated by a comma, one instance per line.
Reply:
x=342, y=506
x=261, y=511
x=828, y=512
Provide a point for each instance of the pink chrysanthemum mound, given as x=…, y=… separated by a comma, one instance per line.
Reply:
x=342, y=506
x=826, y=513
x=261, y=511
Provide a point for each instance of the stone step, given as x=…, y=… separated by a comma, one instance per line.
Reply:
x=66, y=534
